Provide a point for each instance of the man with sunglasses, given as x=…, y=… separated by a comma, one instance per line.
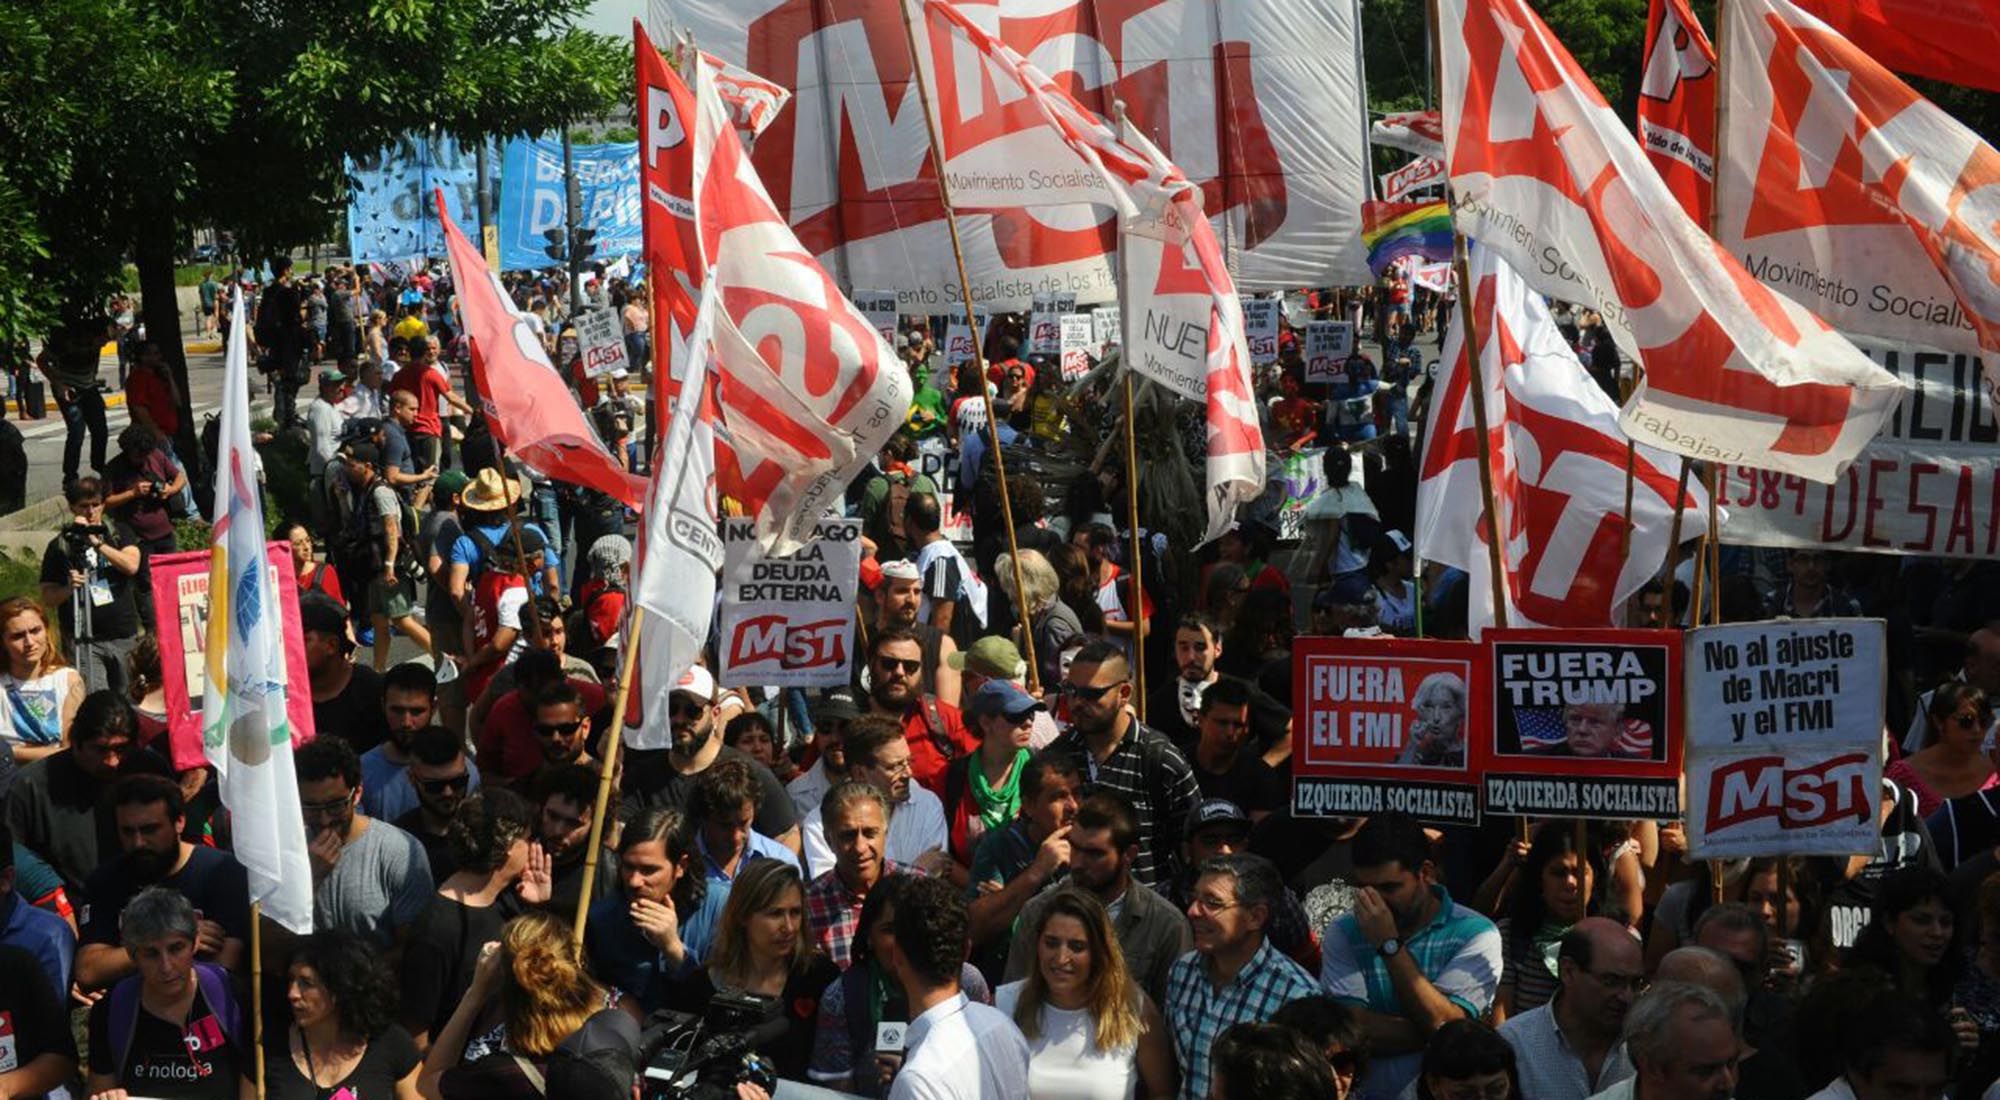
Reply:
x=409, y=704
x=562, y=729
x=442, y=776
x=666, y=777
x=1570, y=1048
x=898, y=601
x=936, y=733
x=369, y=877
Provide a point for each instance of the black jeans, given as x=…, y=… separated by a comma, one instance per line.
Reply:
x=84, y=411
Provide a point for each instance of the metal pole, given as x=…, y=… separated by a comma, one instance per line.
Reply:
x=572, y=214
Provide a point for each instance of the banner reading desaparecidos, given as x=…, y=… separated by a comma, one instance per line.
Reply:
x=1586, y=723
x=1785, y=738
x=1385, y=724
x=789, y=621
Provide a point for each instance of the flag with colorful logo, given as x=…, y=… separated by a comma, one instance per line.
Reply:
x=1395, y=230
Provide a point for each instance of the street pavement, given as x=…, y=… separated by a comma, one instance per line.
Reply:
x=44, y=437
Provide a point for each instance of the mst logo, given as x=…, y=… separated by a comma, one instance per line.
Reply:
x=772, y=638
x=1760, y=787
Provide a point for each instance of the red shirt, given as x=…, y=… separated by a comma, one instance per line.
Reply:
x=487, y=592
x=507, y=746
x=324, y=581
x=148, y=391
x=927, y=761
x=429, y=386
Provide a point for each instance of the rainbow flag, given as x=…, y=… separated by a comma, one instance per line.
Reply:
x=1393, y=230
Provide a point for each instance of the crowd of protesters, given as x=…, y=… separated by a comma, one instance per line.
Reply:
x=989, y=866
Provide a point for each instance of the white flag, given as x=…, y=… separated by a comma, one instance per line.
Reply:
x=244, y=729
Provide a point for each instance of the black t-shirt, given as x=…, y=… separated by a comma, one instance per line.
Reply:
x=1905, y=842
x=566, y=883
x=168, y=1060
x=389, y=1058
x=64, y=814
x=651, y=781
x=799, y=1002
x=437, y=847
x=443, y=950
x=108, y=592
x=212, y=882
x=355, y=715
x=33, y=1020
x=1249, y=782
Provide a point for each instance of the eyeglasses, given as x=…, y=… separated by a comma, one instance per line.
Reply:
x=900, y=767
x=1967, y=721
x=1211, y=905
x=684, y=706
x=330, y=806
x=557, y=729
x=1632, y=983
x=1082, y=691
x=895, y=664
x=445, y=783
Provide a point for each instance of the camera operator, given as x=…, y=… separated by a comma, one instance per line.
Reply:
x=141, y=485
x=87, y=574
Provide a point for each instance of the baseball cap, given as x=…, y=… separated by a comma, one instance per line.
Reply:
x=363, y=451
x=1002, y=697
x=900, y=569
x=991, y=656
x=320, y=615
x=837, y=705
x=331, y=376
x=697, y=682
x=451, y=481
x=600, y=1061
x=1216, y=811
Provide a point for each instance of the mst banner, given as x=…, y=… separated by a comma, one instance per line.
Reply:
x=1586, y=723
x=789, y=621
x=531, y=199
x=1381, y=724
x=1928, y=483
x=1784, y=752
x=1216, y=84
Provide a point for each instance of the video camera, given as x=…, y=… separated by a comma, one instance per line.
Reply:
x=688, y=1057
x=76, y=542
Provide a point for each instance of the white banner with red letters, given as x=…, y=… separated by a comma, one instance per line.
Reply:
x=1784, y=738
x=1419, y=173
x=1218, y=86
x=789, y=621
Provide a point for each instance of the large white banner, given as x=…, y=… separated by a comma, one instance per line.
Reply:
x=1256, y=100
x=1784, y=738
x=789, y=621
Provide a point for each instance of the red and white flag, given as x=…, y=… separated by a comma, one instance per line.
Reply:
x=524, y=397
x=1847, y=190
x=1955, y=41
x=1011, y=137
x=1558, y=457
x=1677, y=105
x=1544, y=172
x=1419, y=132
x=807, y=391
x=753, y=101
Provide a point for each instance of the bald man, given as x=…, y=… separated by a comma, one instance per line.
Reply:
x=1569, y=1048
x=1705, y=966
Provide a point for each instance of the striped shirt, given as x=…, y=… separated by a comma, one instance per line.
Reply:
x=1549, y=1067
x=1198, y=1010
x=1458, y=952
x=1150, y=771
x=1530, y=971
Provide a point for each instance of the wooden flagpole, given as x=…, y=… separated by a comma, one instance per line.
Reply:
x=978, y=353
x=1674, y=543
x=607, y=767
x=257, y=992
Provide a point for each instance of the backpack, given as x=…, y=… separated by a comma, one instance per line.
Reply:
x=213, y=982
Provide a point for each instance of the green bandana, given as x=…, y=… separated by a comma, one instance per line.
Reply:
x=997, y=807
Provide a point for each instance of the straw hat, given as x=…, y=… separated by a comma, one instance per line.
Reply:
x=490, y=492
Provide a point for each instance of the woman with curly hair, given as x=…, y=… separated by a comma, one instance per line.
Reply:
x=344, y=1037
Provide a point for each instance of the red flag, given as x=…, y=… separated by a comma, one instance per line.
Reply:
x=1545, y=173
x=1677, y=106
x=1956, y=42
x=527, y=404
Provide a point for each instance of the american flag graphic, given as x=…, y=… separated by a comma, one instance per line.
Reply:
x=1541, y=730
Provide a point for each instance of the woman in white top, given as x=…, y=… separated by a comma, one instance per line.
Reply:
x=1092, y=1032
x=39, y=692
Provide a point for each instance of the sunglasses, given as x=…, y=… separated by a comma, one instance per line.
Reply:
x=557, y=729
x=1967, y=721
x=682, y=706
x=894, y=664
x=447, y=783
x=1079, y=691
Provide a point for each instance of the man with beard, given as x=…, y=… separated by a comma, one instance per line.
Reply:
x=660, y=923
x=898, y=600
x=565, y=798
x=857, y=817
x=562, y=729
x=505, y=743
x=1013, y=863
x=830, y=715
x=1175, y=706
x=369, y=877
x=936, y=732
x=1119, y=753
x=409, y=703
x=1103, y=846
x=60, y=806
x=442, y=777
x=666, y=777
x=150, y=815
x=879, y=755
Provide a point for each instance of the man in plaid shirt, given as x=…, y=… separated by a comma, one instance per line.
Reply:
x=1232, y=976
x=1409, y=959
x=857, y=827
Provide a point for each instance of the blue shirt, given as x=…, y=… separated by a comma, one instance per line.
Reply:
x=621, y=955
x=42, y=934
x=758, y=846
x=465, y=550
x=1197, y=1010
x=396, y=448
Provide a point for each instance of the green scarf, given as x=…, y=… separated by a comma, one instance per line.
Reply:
x=997, y=807
x=1547, y=943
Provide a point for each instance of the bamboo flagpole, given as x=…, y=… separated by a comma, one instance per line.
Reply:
x=257, y=992
x=978, y=353
x=608, y=767
x=1138, y=551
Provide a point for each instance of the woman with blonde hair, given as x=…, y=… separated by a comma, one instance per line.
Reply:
x=1092, y=1032
x=375, y=341
x=39, y=692
x=761, y=948
x=1040, y=607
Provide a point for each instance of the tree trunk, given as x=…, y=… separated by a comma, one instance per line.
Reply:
x=153, y=254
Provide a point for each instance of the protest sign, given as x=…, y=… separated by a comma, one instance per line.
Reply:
x=1045, y=322
x=600, y=337
x=1260, y=328
x=788, y=621
x=879, y=306
x=1928, y=483
x=1383, y=724
x=1299, y=477
x=935, y=461
x=1106, y=329
x=1419, y=173
x=180, y=584
x=1076, y=335
x=1784, y=742
x=962, y=343
x=1586, y=723
x=1328, y=344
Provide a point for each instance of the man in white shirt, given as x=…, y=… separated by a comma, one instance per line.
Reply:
x=1570, y=1048
x=878, y=753
x=956, y=1048
x=1895, y=1047
x=324, y=420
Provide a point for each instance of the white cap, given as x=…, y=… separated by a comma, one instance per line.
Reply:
x=697, y=682
x=901, y=569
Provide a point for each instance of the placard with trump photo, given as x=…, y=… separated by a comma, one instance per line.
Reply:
x=1386, y=724
x=1586, y=723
